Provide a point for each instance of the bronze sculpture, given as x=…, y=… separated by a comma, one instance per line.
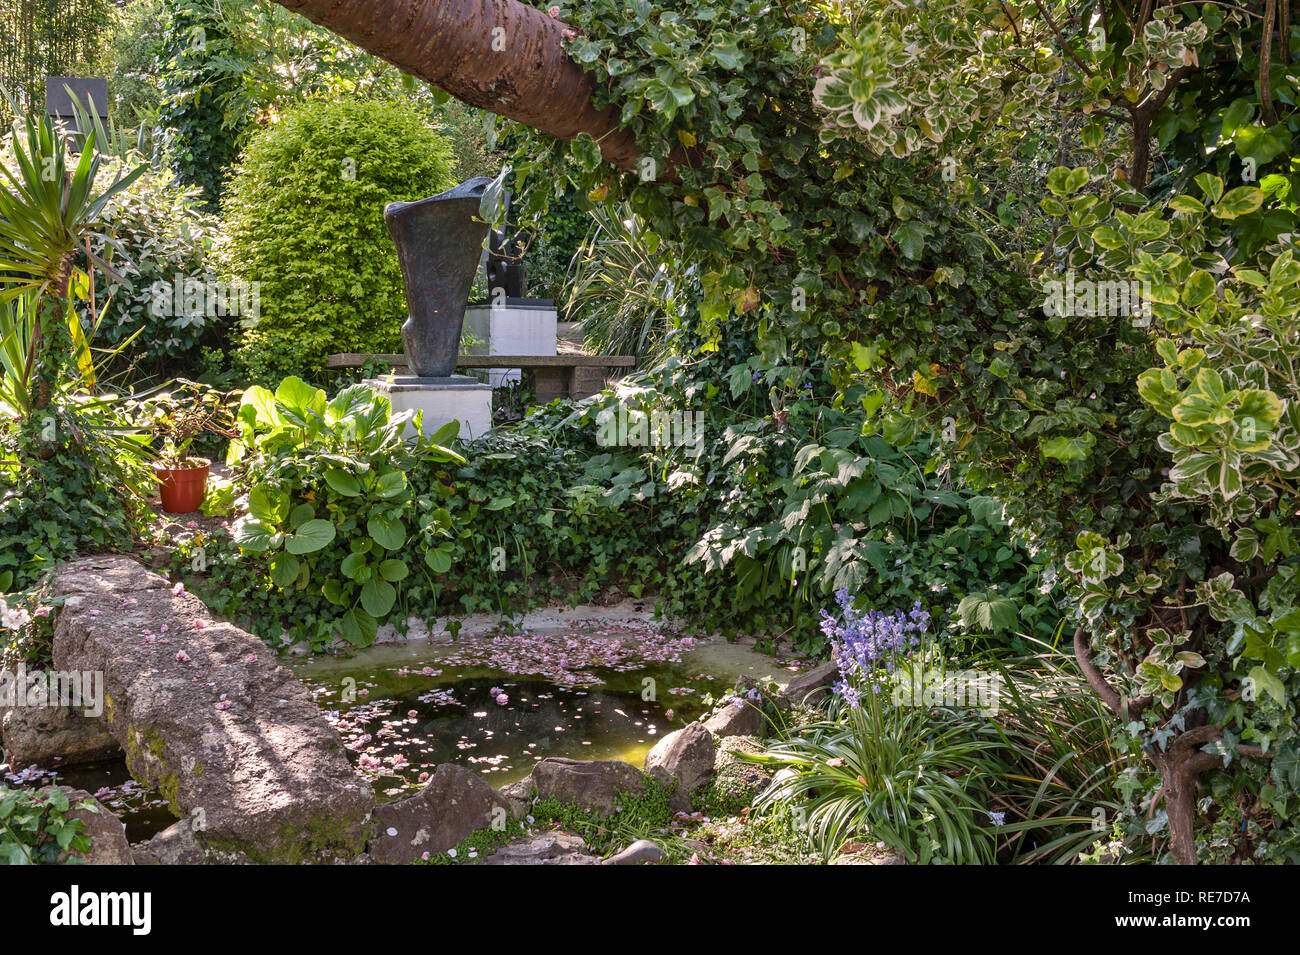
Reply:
x=439, y=245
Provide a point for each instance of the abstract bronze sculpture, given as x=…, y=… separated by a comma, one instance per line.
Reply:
x=439, y=246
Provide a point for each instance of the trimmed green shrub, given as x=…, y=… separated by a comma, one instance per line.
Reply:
x=305, y=219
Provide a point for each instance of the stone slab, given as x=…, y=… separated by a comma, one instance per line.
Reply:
x=207, y=716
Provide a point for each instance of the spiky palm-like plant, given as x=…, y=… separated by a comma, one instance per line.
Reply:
x=49, y=213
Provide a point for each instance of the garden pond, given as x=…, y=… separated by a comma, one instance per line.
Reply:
x=496, y=702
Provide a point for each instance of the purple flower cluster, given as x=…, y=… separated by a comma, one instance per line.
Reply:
x=869, y=641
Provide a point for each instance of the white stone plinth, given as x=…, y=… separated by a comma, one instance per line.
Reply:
x=522, y=326
x=458, y=398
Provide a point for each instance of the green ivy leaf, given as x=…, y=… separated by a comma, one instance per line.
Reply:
x=991, y=613
x=1063, y=448
x=1266, y=681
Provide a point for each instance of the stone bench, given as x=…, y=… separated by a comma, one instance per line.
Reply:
x=554, y=376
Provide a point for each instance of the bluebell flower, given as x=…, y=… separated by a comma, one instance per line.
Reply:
x=868, y=643
x=998, y=818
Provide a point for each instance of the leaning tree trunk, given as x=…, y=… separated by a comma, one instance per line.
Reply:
x=499, y=55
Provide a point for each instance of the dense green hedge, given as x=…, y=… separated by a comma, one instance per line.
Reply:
x=200, y=131
x=304, y=214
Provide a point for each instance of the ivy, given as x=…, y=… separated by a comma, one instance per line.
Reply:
x=834, y=177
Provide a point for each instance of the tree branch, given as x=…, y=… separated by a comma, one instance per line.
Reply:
x=499, y=55
x=1128, y=709
x=1265, y=63
x=1061, y=39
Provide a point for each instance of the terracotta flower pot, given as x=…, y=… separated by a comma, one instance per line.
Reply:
x=182, y=489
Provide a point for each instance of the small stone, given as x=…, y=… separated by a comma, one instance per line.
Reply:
x=546, y=848
x=731, y=720
x=812, y=685
x=453, y=804
x=107, y=834
x=175, y=845
x=520, y=796
x=641, y=852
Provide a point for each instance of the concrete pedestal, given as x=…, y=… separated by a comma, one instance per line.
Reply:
x=523, y=326
x=458, y=398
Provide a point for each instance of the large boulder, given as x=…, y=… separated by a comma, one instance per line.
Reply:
x=681, y=761
x=592, y=785
x=107, y=834
x=453, y=804
x=739, y=717
x=811, y=685
x=49, y=736
x=208, y=717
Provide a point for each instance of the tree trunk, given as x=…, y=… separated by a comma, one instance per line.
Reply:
x=49, y=310
x=1180, y=763
x=499, y=55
